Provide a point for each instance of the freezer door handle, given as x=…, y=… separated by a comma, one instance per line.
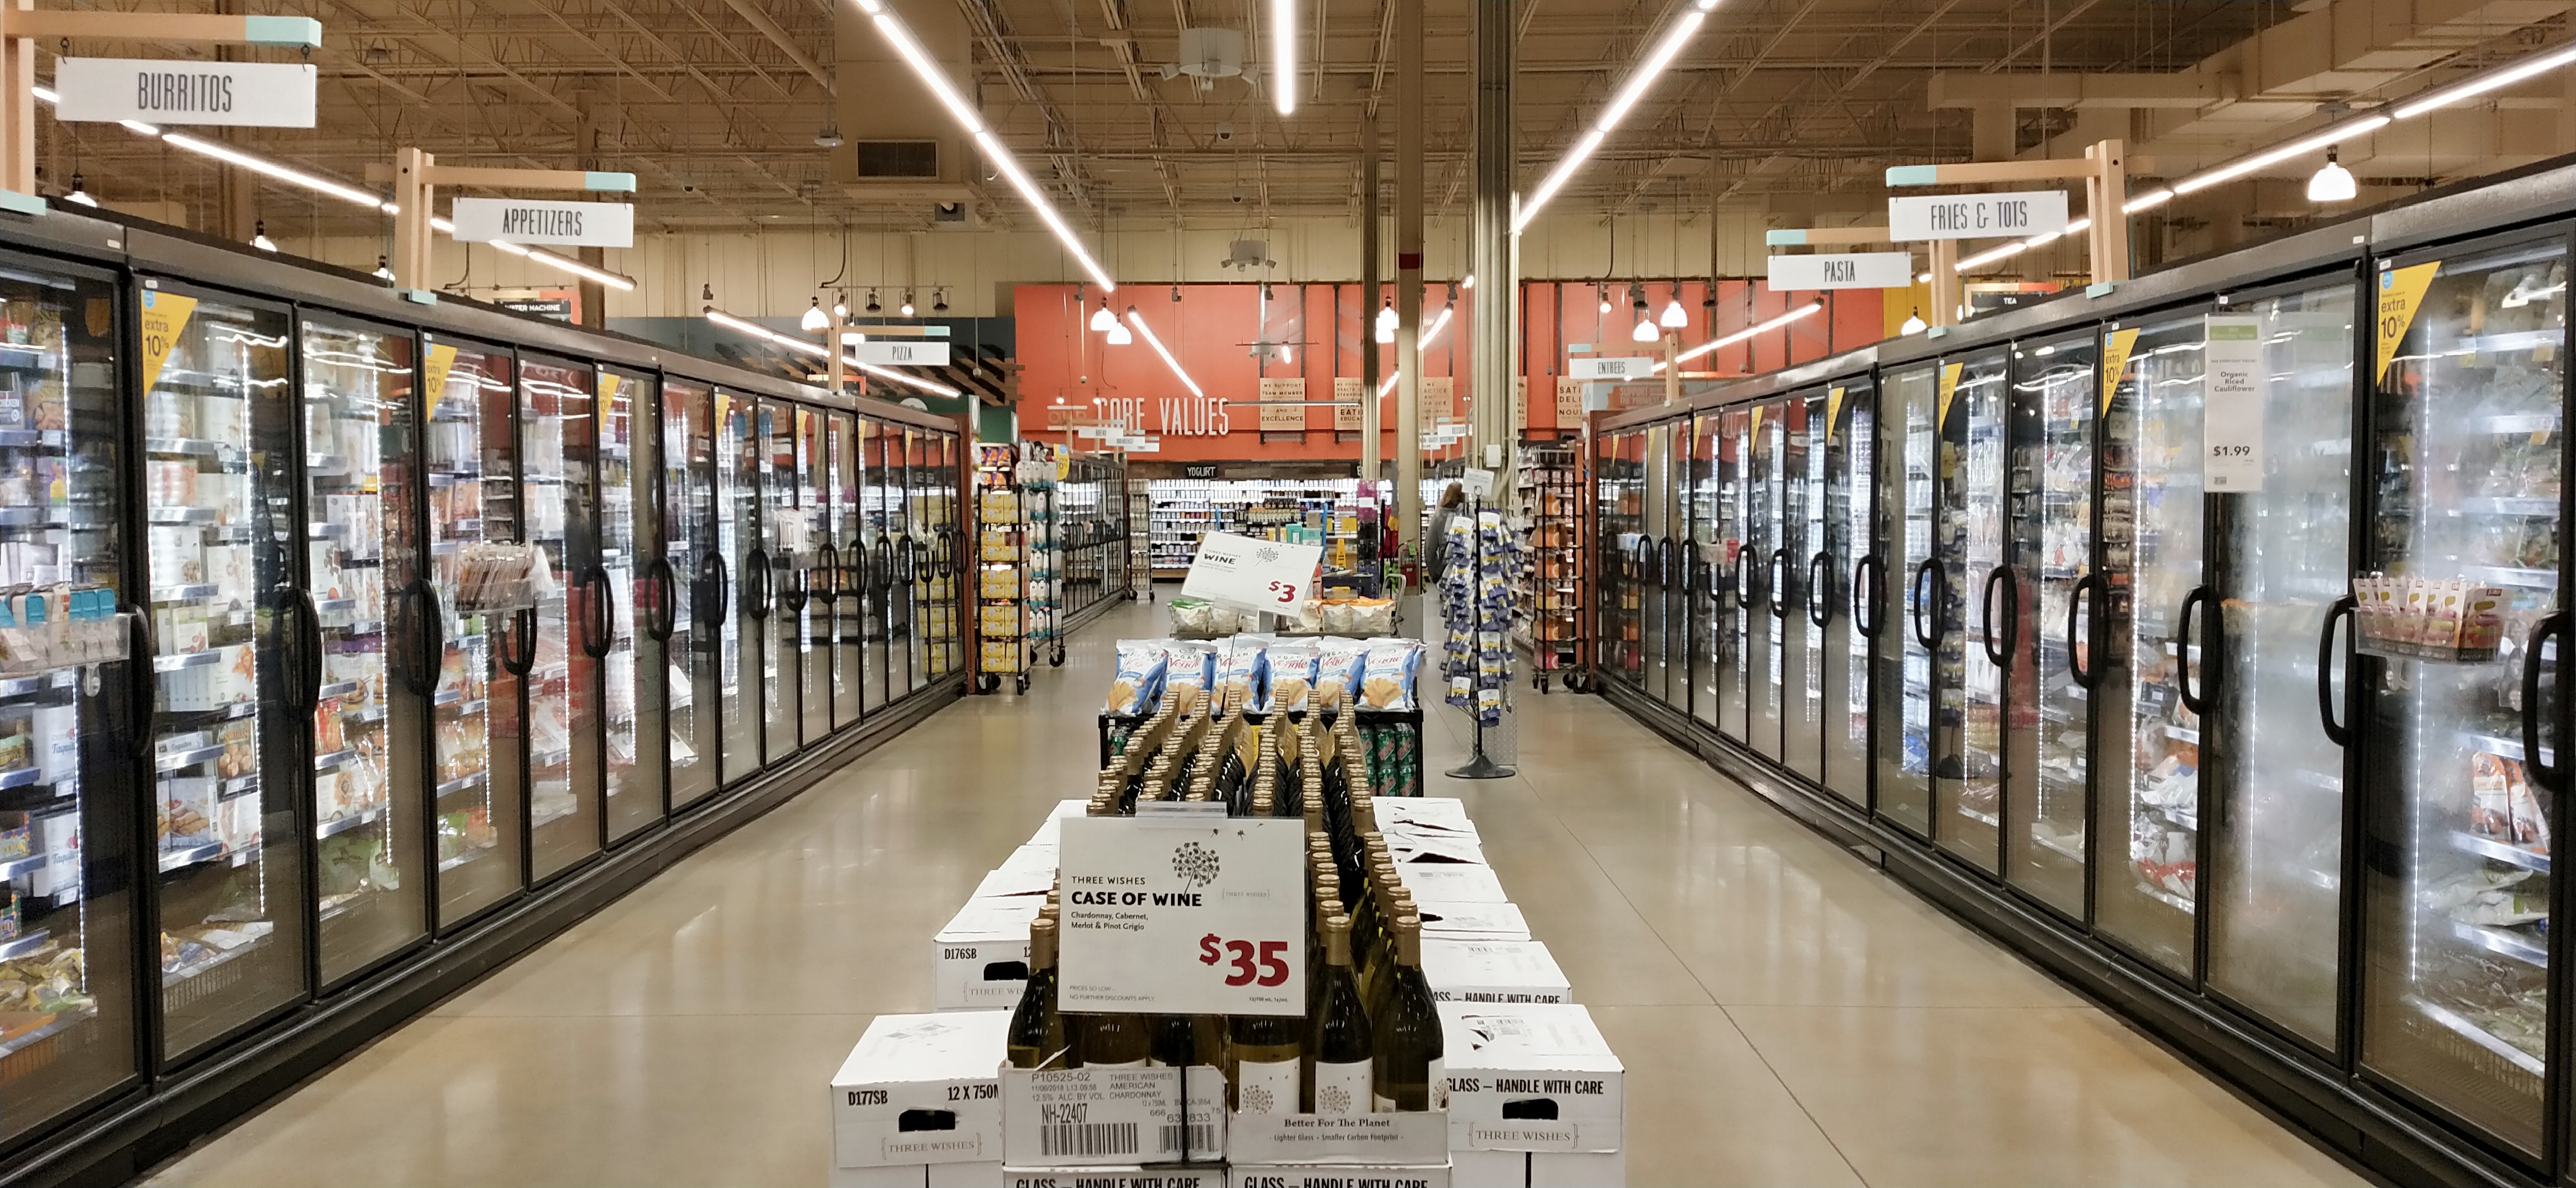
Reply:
x=2076, y=651
x=1916, y=600
x=2342, y=609
x=711, y=610
x=664, y=617
x=1820, y=609
x=430, y=628
x=1865, y=602
x=1995, y=652
x=797, y=592
x=521, y=656
x=2192, y=607
x=309, y=639
x=2550, y=774
x=142, y=686
x=756, y=602
x=828, y=589
x=601, y=631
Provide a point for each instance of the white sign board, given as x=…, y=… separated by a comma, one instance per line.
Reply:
x=166, y=91
x=901, y=352
x=1095, y=431
x=2232, y=421
x=1863, y=270
x=1478, y=483
x=1183, y=915
x=537, y=220
x=1598, y=368
x=1252, y=574
x=1976, y=216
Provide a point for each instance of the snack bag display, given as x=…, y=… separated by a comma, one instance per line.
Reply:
x=1337, y=669
x=1242, y=671
x=1138, y=683
x=1386, y=681
x=1292, y=678
x=1189, y=665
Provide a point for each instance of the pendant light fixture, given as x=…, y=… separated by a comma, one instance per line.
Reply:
x=815, y=318
x=1103, y=321
x=841, y=306
x=1386, y=322
x=2334, y=183
x=80, y=192
x=939, y=301
x=1645, y=331
x=873, y=307
x=384, y=268
x=907, y=303
x=1914, y=323
x=1119, y=334
x=1675, y=317
x=259, y=237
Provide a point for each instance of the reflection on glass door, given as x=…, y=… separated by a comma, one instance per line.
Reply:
x=360, y=469
x=2277, y=769
x=738, y=571
x=810, y=614
x=1736, y=606
x=2152, y=583
x=1910, y=586
x=915, y=511
x=1623, y=516
x=2054, y=387
x=629, y=656
x=2468, y=463
x=70, y=784
x=559, y=445
x=882, y=450
x=780, y=539
x=478, y=800
x=1969, y=792
x=1851, y=592
x=691, y=576
x=1699, y=495
x=1802, y=563
x=848, y=563
x=1655, y=475
x=1766, y=563
x=218, y=431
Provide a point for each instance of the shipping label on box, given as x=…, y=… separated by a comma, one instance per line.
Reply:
x=1111, y=1116
x=1411, y=1139
x=1471, y=921
x=921, y=1089
x=1255, y=1175
x=1531, y=1077
x=1493, y=971
x=980, y=961
x=1204, y=1176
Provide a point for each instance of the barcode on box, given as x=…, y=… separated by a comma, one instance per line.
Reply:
x=1087, y=1138
x=1199, y=1136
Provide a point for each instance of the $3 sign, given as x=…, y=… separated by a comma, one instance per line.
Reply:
x=1264, y=965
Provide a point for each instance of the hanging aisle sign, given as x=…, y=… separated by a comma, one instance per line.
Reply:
x=1183, y=915
x=1864, y=270
x=1976, y=216
x=536, y=220
x=161, y=91
x=901, y=352
x=1599, y=368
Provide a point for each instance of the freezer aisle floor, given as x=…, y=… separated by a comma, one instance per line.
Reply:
x=1787, y=1016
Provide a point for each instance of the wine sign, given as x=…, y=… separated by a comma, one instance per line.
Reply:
x=1182, y=915
x=1248, y=573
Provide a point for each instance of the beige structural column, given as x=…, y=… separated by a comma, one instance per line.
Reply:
x=1945, y=282
x=1372, y=287
x=1408, y=273
x=2106, y=196
x=1492, y=255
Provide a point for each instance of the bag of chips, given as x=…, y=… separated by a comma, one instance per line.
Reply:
x=1242, y=671
x=1386, y=681
x=1337, y=669
x=1292, y=679
x=1189, y=666
x=1139, y=680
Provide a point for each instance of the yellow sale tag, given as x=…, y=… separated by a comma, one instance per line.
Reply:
x=2115, y=359
x=1949, y=388
x=1833, y=412
x=2401, y=294
x=441, y=361
x=165, y=315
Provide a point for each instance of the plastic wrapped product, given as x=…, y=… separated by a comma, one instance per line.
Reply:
x=1241, y=671
x=1386, y=682
x=1337, y=669
x=1189, y=665
x=1292, y=669
x=1139, y=681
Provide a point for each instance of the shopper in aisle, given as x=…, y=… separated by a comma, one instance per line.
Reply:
x=1435, y=554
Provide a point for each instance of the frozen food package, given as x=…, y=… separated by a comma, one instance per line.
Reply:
x=1337, y=668
x=1386, y=681
x=2530, y=815
x=1292, y=678
x=2481, y=622
x=2491, y=796
x=1139, y=680
x=2442, y=604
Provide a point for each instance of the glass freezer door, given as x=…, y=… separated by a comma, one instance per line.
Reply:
x=740, y=570
x=1736, y=605
x=1802, y=560
x=2054, y=389
x=1706, y=562
x=848, y=562
x=477, y=798
x=559, y=448
x=1655, y=484
x=2468, y=465
x=1849, y=594
x=1910, y=582
x=2152, y=581
x=1765, y=554
x=1969, y=790
x=361, y=474
x=809, y=613
x=218, y=434
x=67, y=1037
x=939, y=556
x=691, y=573
x=1623, y=534
x=781, y=540
x=629, y=657
x=1611, y=559
x=910, y=516
x=882, y=449
x=2276, y=766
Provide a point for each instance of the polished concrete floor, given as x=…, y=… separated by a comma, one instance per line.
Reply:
x=1787, y=1016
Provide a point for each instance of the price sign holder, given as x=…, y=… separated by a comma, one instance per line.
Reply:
x=1182, y=915
x=1249, y=573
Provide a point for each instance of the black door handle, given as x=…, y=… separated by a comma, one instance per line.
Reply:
x=829, y=570
x=522, y=655
x=312, y=645
x=1865, y=594
x=756, y=603
x=665, y=615
x=795, y=594
x=432, y=619
x=1986, y=603
x=603, y=636
x=2076, y=652
x=2342, y=609
x=712, y=609
x=2551, y=775
x=1820, y=607
x=2191, y=607
x=1916, y=602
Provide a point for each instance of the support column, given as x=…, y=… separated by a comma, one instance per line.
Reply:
x=1408, y=273
x=1945, y=282
x=1492, y=258
x=411, y=220
x=1372, y=286
x=1990, y=130
x=236, y=188
x=18, y=113
x=594, y=295
x=2106, y=192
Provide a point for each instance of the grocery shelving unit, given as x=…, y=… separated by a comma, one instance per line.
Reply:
x=1548, y=616
x=1181, y=511
x=1091, y=503
x=1001, y=570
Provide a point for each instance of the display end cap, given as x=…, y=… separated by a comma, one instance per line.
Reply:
x=608, y=183
x=1913, y=175
x=2100, y=290
x=420, y=296
x=1784, y=238
x=282, y=30
x=25, y=204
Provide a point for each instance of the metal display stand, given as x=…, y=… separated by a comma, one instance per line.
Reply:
x=1463, y=612
x=1551, y=589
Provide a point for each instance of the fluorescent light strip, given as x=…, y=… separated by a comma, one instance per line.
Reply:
x=1626, y=97
x=2279, y=153
x=1283, y=44
x=968, y=118
x=352, y=194
x=2504, y=77
x=1740, y=335
x=1138, y=321
x=793, y=343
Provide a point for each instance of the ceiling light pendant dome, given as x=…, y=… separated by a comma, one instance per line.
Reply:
x=815, y=318
x=2334, y=183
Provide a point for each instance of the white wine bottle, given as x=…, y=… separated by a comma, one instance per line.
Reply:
x=1037, y=1038
x=1344, y=1076
x=1264, y=1059
x=1408, y=1065
x=1113, y=1041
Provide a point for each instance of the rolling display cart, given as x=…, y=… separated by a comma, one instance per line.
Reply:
x=1001, y=571
x=1548, y=615
x=1039, y=471
x=1091, y=517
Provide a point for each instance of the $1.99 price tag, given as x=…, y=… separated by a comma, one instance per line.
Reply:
x=1171, y=915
